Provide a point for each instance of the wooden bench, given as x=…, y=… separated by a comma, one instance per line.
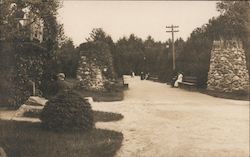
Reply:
x=125, y=83
x=153, y=77
x=188, y=82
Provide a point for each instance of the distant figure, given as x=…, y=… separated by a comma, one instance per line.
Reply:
x=142, y=75
x=61, y=76
x=146, y=76
x=179, y=79
x=173, y=78
x=61, y=84
x=132, y=74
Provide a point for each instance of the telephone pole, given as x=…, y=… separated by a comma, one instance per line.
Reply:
x=173, y=31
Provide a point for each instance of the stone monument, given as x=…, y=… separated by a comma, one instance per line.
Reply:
x=90, y=75
x=228, y=69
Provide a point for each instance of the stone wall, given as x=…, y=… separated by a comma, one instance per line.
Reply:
x=90, y=75
x=228, y=71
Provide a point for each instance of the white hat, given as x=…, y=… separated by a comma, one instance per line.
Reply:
x=61, y=75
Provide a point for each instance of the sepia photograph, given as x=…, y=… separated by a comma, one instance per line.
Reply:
x=117, y=78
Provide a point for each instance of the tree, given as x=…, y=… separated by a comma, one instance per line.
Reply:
x=98, y=34
x=233, y=23
x=154, y=52
x=30, y=61
x=195, y=58
x=67, y=58
x=237, y=20
x=130, y=53
x=99, y=48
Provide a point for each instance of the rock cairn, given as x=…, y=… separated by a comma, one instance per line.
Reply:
x=90, y=75
x=228, y=71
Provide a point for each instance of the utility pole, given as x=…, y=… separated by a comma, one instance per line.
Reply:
x=173, y=31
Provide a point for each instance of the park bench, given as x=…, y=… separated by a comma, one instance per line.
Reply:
x=188, y=82
x=125, y=83
x=153, y=77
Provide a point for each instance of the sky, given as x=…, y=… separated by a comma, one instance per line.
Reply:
x=142, y=18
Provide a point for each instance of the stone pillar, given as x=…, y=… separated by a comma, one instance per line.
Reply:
x=228, y=71
x=90, y=75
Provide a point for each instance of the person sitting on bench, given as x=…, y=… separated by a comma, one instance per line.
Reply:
x=179, y=79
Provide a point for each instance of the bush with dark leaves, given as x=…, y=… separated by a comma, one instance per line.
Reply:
x=67, y=111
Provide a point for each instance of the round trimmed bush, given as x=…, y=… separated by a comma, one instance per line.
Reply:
x=67, y=111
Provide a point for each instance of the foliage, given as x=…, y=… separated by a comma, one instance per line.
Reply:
x=129, y=55
x=100, y=116
x=98, y=34
x=233, y=23
x=6, y=69
x=195, y=59
x=149, y=56
x=28, y=60
x=29, y=63
x=25, y=139
x=67, y=58
x=11, y=12
x=114, y=94
x=99, y=53
x=235, y=16
x=114, y=86
x=67, y=111
x=153, y=52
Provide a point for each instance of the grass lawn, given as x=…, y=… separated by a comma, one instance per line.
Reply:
x=234, y=95
x=115, y=94
x=99, y=116
x=25, y=139
x=102, y=96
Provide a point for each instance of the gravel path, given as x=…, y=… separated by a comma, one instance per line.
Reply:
x=160, y=121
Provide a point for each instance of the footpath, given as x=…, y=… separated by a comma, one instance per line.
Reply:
x=160, y=121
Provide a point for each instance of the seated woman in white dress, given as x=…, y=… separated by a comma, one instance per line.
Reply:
x=179, y=79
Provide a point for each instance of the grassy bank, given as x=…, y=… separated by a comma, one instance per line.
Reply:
x=99, y=116
x=23, y=139
x=102, y=96
x=113, y=94
x=226, y=95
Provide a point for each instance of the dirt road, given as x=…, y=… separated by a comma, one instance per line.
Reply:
x=160, y=121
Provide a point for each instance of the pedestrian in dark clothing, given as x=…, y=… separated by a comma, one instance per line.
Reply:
x=173, y=78
x=61, y=84
x=142, y=76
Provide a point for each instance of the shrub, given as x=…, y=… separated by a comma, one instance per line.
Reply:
x=113, y=86
x=67, y=111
